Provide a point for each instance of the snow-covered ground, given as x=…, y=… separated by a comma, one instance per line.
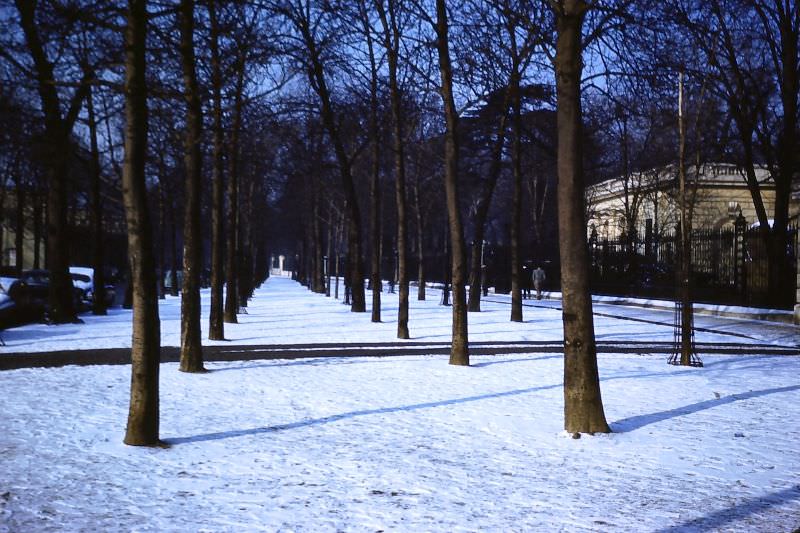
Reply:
x=284, y=313
x=403, y=443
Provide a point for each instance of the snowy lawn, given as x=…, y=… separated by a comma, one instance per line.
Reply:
x=400, y=443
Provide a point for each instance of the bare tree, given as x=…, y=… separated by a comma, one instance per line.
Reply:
x=143, y=415
x=751, y=47
x=459, y=351
x=375, y=168
x=480, y=210
x=191, y=345
x=57, y=129
x=216, y=324
x=233, y=246
x=98, y=281
x=391, y=42
x=583, y=405
x=307, y=21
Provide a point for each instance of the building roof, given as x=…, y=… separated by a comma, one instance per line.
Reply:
x=720, y=175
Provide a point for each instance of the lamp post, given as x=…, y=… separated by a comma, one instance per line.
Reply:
x=325, y=277
x=393, y=279
x=484, y=281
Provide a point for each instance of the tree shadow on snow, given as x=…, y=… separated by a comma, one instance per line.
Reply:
x=319, y=361
x=639, y=421
x=718, y=519
x=353, y=414
x=503, y=361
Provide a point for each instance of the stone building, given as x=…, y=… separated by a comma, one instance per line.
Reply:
x=648, y=201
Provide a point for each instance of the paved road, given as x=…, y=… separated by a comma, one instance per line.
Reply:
x=121, y=356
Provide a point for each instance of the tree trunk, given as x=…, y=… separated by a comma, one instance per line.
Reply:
x=161, y=256
x=173, y=275
x=583, y=405
x=231, y=267
x=375, y=232
x=447, y=270
x=191, y=344
x=216, y=324
x=685, y=235
x=459, y=351
x=355, y=267
x=516, y=201
x=98, y=277
x=19, y=236
x=374, y=185
x=420, y=242
x=143, y=416
x=245, y=280
x=319, y=280
x=482, y=210
x=329, y=244
x=37, y=231
x=336, y=249
x=3, y=192
x=788, y=21
x=391, y=34
x=57, y=144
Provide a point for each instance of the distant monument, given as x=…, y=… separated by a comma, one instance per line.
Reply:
x=276, y=265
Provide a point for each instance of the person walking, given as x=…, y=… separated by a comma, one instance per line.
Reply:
x=538, y=281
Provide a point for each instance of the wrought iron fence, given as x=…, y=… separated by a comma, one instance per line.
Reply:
x=729, y=266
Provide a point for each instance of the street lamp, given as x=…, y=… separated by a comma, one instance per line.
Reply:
x=484, y=269
x=325, y=277
x=394, y=277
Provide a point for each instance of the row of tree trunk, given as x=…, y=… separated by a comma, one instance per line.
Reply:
x=583, y=406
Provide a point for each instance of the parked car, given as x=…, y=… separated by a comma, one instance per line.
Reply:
x=83, y=278
x=31, y=293
x=83, y=283
x=7, y=305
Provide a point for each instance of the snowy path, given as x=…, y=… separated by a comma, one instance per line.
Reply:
x=404, y=443
x=282, y=312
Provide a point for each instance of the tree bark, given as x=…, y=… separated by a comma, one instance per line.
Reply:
x=98, y=277
x=216, y=324
x=391, y=41
x=245, y=283
x=459, y=351
x=19, y=236
x=329, y=246
x=319, y=280
x=516, y=201
x=583, y=405
x=161, y=239
x=191, y=345
x=143, y=415
x=173, y=275
x=57, y=144
x=231, y=260
x=37, y=230
x=374, y=186
x=788, y=23
x=316, y=75
x=482, y=210
x=375, y=230
x=420, y=241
